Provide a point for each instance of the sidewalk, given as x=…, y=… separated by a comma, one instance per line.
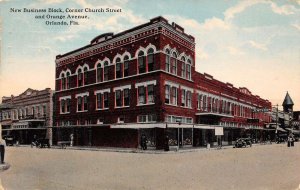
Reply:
x=136, y=150
x=148, y=151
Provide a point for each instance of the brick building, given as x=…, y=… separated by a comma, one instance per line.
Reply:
x=143, y=81
x=28, y=114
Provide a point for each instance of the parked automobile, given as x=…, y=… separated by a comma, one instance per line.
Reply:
x=9, y=140
x=243, y=142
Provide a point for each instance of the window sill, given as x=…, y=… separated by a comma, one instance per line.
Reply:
x=64, y=113
x=150, y=122
x=186, y=107
x=102, y=109
x=145, y=104
x=82, y=111
x=120, y=107
x=172, y=105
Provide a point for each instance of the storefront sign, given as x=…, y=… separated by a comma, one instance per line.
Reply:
x=219, y=131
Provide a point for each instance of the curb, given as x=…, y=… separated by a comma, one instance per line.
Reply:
x=150, y=151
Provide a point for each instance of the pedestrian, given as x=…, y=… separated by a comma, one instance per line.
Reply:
x=2, y=149
x=144, y=142
x=71, y=139
x=291, y=139
x=166, y=147
x=34, y=141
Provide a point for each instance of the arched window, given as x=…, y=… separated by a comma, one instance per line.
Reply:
x=105, y=73
x=183, y=71
x=150, y=59
x=80, y=78
x=168, y=60
x=126, y=66
x=119, y=69
x=63, y=82
x=204, y=103
x=85, y=76
x=68, y=80
x=99, y=74
x=20, y=114
x=174, y=63
x=141, y=62
x=188, y=69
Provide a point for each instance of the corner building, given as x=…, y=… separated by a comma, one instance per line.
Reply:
x=143, y=81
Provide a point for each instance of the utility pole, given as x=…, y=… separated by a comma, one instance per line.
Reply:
x=276, y=119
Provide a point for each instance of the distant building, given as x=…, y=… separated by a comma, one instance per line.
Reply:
x=28, y=114
x=143, y=81
x=286, y=120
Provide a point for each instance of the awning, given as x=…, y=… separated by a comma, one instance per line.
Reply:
x=293, y=130
x=20, y=125
x=199, y=126
x=280, y=129
x=6, y=122
x=177, y=125
x=17, y=129
x=213, y=114
x=138, y=125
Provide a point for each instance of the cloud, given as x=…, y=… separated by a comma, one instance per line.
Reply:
x=234, y=51
x=240, y=7
x=297, y=26
x=258, y=45
x=64, y=37
x=51, y=1
x=283, y=10
x=202, y=55
x=243, y=5
x=214, y=23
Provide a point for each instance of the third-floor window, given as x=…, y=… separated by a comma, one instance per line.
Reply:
x=141, y=62
x=119, y=68
x=150, y=59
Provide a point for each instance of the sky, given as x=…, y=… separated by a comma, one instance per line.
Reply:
x=253, y=44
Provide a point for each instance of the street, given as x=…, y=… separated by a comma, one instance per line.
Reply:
x=262, y=167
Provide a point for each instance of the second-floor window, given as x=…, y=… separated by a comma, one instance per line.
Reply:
x=145, y=91
x=183, y=98
x=64, y=105
x=118, y=98
x=167, y=94
x=126, y=97
x=102, y=99
x=174, y=95
x=189, y=99
x=82, y=103
x=171, y=95
x=141, y=95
